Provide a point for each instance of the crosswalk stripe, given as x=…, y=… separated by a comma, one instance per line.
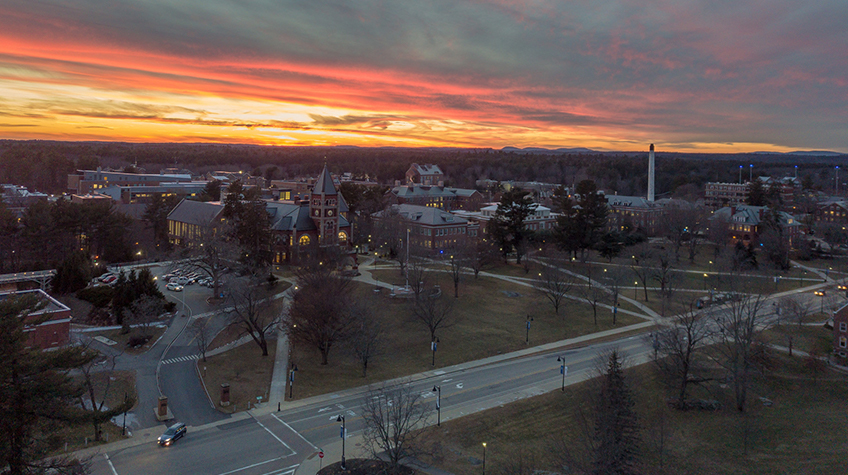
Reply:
x=180, y=359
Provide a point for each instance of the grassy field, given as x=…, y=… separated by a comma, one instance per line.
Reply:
x=246, y=371
x=490, y=319
x=797, y=434
x=817, y=339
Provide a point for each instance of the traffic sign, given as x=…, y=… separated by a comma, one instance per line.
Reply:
x=320, y=455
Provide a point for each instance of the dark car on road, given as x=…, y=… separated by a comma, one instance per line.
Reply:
x=173, y=433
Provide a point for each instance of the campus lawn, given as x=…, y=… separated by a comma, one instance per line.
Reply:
x=793, y=435
x=490, y=320
x=246, y=371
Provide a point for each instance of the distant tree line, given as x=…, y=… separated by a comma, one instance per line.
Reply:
x=44, y=166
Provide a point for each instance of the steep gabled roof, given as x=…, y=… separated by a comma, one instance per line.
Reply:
x=324, y=185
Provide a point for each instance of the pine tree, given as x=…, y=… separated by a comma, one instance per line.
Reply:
x=36, y=393
x=616, y=425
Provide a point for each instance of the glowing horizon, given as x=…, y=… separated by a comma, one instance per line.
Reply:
x=689, y=76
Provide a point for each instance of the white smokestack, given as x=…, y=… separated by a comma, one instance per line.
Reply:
x=651, y=174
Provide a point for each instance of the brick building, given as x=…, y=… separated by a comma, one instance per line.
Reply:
x=424, y=175
x=438, y=196
x=50, y=325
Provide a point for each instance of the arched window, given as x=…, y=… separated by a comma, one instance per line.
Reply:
x=304, y=240
x=342, y=236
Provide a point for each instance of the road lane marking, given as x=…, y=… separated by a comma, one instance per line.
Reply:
x=283, y=471
x=296, y=432
x=251, y=466
x=181, y=359
x=106, y=456
x=274, y=436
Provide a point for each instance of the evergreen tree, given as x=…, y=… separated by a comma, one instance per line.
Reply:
x=73, y=274
x=156, y=215
x=617, y=439
x=582, y=223
x=507, y=227
x=36, y=394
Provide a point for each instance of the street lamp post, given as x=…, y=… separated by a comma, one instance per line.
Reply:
x=433, y=345
x=527, y=335
x=484, y=458
x=438, y=391
x=341, y=418
x=124, y=426
x=563, y=369
x=635, y=290
x=820, y=293
x=291, y=381
x=705, y=281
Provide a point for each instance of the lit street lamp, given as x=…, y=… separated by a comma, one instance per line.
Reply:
x=438, y=391
x=635, y=290
x=484, y=458
x=527, y=336
x=563, y=369
x=820, y=293
x=705, y=281
x=341, y=418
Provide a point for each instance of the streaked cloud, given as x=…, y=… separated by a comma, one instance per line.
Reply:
x=691, y=74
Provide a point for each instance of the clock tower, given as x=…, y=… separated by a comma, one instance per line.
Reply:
x=324, y=208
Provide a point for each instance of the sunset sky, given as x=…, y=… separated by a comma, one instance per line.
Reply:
x=688, y=75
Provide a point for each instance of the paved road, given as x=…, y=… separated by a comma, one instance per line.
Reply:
x=270, y=442
x=179, y=381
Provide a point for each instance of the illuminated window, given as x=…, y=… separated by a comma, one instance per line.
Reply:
x=342, y=236
x=304, y=240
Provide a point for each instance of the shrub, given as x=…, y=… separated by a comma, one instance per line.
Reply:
x=99, y=296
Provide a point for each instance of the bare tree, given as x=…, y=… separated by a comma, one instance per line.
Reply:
x=417, y=276
x=594, y=294
x=366, y=336
x=641, y=267
x=675, y=227
x=555, y=284
x=434, y=312
x=201, y=336
x=252, y=313
x=483, y=253
x=615, y=278
x=320, y=311
x=662, y=274
x=392, y=415
x=739, y=324
x=93, y=401
x=212, y=251
x=145, y=311
x=676, y=351
x=791, y=312
x=456, y=258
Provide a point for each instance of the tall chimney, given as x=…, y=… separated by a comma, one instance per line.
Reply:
x=651, y=174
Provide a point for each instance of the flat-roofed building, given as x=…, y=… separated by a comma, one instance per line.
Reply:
x=47, y=327
x=87, y=181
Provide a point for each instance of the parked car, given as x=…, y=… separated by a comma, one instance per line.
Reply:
x=105, y=276
x=110, y=280
x=182, y=280
x=174, y=286
x=176, y=431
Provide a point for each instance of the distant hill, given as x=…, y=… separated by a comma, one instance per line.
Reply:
x=805, y=153
x=545, y=150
